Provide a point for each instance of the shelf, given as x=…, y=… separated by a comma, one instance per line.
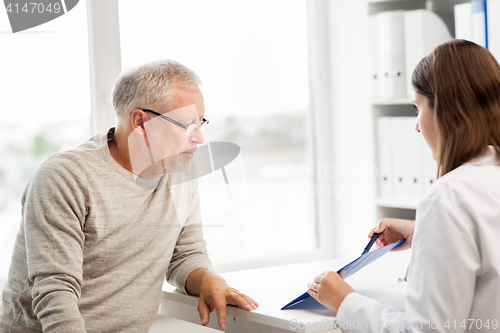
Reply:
x=401, y=204
x=447, y=2
x=396, y=101
x=443, y=8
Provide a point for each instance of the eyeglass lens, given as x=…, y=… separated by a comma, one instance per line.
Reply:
x=192, y=127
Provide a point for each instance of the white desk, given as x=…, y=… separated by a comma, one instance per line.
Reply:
x=164, y=324
x=274, y=287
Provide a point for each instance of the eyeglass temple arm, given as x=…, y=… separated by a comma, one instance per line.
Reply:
x=166, y=118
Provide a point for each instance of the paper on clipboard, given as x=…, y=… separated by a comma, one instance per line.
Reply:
x=353, y=267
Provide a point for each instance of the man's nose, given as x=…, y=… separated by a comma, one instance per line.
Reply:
x=197, y=136
x=417, y=128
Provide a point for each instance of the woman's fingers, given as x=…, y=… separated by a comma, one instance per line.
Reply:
x=370, y=234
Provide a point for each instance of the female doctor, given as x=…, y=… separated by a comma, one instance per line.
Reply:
x=454, y=274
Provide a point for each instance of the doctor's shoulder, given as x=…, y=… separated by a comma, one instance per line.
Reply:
x=469, y=187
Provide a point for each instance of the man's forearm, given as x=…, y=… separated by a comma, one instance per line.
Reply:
x=194, y=282
x=56, y=307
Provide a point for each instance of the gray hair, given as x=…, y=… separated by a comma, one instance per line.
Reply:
x=149, y=84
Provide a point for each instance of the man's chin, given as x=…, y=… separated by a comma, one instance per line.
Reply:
x=167, y=166
x=177, y=166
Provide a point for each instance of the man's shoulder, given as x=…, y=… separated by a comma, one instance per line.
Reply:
x=72, y=162
x=94, y=146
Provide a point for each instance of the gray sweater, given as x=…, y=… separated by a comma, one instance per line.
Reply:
x=94, y=248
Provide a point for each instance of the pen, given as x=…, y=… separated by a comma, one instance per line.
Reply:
x=372, y=240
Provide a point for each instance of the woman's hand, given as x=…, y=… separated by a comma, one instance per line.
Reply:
x=330, y=289
x=395, y=230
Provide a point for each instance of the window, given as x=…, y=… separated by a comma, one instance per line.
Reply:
x=253, y=60
x=45, y=106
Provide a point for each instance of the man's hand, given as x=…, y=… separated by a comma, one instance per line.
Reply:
x=330, y=289
x=215, y=294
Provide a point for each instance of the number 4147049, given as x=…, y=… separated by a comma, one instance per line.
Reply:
x=34, y=7
x=472, y=323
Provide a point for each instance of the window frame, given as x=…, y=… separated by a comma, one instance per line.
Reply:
x=105, y=66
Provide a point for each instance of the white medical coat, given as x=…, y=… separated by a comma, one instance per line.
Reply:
x=454, y=273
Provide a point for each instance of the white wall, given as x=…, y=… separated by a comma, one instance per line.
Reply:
x=351, y=126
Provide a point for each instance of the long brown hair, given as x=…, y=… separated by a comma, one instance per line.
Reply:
x=462, y=82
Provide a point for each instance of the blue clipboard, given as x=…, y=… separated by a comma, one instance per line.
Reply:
x=353, y=267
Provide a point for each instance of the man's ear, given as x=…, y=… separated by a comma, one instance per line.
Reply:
x=137, y=120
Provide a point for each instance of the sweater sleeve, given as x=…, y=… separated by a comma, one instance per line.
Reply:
x=441, y=279
x=54, y=210
x=190, y=251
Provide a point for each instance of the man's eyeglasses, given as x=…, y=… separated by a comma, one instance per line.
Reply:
x=188, y=128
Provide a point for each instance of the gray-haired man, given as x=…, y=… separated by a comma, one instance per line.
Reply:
x=104, y=223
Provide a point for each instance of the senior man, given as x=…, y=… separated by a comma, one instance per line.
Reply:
x=104, y=223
